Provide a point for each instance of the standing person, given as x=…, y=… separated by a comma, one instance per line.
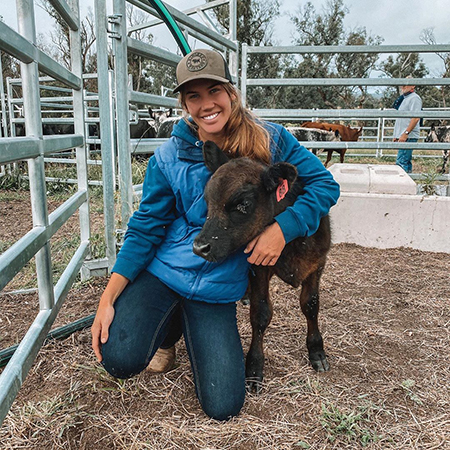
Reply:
x=159, y=288
x=406, y=129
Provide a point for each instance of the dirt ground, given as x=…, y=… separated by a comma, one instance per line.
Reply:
x=385, y=318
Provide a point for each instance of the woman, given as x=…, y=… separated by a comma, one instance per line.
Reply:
x=159, y=287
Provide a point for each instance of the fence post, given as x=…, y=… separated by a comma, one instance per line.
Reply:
x=33, y=124
x=106, y=130
x=244, y=74
x=78, y=118
x=122, y=101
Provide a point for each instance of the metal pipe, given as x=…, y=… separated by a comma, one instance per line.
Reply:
x=106, y=131
x=78, y=117
x=122, y=101
x=299, y=49
x=26, y=26
x=348, y=81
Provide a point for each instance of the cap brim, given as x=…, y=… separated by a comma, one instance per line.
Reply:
x=201, y=77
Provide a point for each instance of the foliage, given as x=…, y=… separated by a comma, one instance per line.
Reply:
x=403, y=65
x=147, y=75
x=255, y=28
x=314, y=29
x=347, y=425
x=428, y=182
x=60, y=46
x=438, y=96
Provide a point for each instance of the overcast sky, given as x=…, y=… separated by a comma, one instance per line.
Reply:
x=398, y=22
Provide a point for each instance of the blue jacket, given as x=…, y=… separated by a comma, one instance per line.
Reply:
x=160, y=234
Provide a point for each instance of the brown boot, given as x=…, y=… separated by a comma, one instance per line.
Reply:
x=163, y=360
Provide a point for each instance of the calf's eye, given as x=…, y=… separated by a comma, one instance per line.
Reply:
x=243, y=207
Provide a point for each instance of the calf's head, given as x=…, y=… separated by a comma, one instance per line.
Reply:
x=242, y=200
x=432, y=135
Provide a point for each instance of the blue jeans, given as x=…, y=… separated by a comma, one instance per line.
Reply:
x=148, y=314
x=404, y=157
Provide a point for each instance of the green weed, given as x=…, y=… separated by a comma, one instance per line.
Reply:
x=347, y=425
x=407, y=386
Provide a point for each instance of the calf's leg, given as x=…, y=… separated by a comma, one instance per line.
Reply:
x=309, y=302
x=260, y=317
x=330, y=152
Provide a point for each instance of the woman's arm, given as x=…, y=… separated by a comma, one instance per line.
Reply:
x=321, y=192
x=147, y=227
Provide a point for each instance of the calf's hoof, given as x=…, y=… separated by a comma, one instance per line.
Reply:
x=254, y=384
x=319, y=362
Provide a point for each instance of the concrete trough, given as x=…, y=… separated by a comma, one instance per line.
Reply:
x=379, y=208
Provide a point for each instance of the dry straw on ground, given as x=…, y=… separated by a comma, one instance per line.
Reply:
x=384, y=316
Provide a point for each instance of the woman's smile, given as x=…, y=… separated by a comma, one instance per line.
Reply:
x=211, y=116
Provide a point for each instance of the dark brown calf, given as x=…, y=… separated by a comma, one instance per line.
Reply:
x=242, y=201
x=347, y=134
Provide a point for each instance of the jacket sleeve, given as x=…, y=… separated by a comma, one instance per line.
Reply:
x=321, y=191
x=147, y=227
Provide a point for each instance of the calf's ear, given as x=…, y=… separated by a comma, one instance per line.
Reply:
x=272, y=176
x=213, y=156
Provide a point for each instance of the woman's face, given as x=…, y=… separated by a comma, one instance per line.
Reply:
x=209, y=105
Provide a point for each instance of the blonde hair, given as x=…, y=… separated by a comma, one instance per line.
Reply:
x=244, y=132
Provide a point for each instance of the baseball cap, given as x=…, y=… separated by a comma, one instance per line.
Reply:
x=202, y=63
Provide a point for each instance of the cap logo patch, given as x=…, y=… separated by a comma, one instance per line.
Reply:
x=197, y=61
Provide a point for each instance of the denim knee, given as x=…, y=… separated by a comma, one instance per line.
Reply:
x=119, y=364
x=224, y=409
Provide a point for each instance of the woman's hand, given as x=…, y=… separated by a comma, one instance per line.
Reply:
x=267, y=247
x=100, y=327
x=105, y=312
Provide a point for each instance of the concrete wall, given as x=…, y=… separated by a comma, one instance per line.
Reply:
x=389, y=220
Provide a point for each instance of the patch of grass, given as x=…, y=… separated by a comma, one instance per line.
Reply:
x=347, y=425
x=428, y=181
x=407, y=386
x=98, y=245
x=13, y=181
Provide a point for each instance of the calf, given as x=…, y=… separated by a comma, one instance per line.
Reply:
x=314, y=135
x=243, y=197
x=165, y=122
x=440, y=134
x=347, y=134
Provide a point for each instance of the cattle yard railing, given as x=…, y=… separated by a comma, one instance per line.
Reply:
x=33, y=148
x=57, y=118
x=299, y=115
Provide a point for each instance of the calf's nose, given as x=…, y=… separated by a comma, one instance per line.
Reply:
x=201, y=249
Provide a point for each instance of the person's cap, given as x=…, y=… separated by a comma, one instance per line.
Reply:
x=202, y=63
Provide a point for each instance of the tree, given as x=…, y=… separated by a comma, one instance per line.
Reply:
x=60, y=38
x=314, y=29
x=148, y=75
x=403, y=65
x=255, y=20
x=438, y=96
